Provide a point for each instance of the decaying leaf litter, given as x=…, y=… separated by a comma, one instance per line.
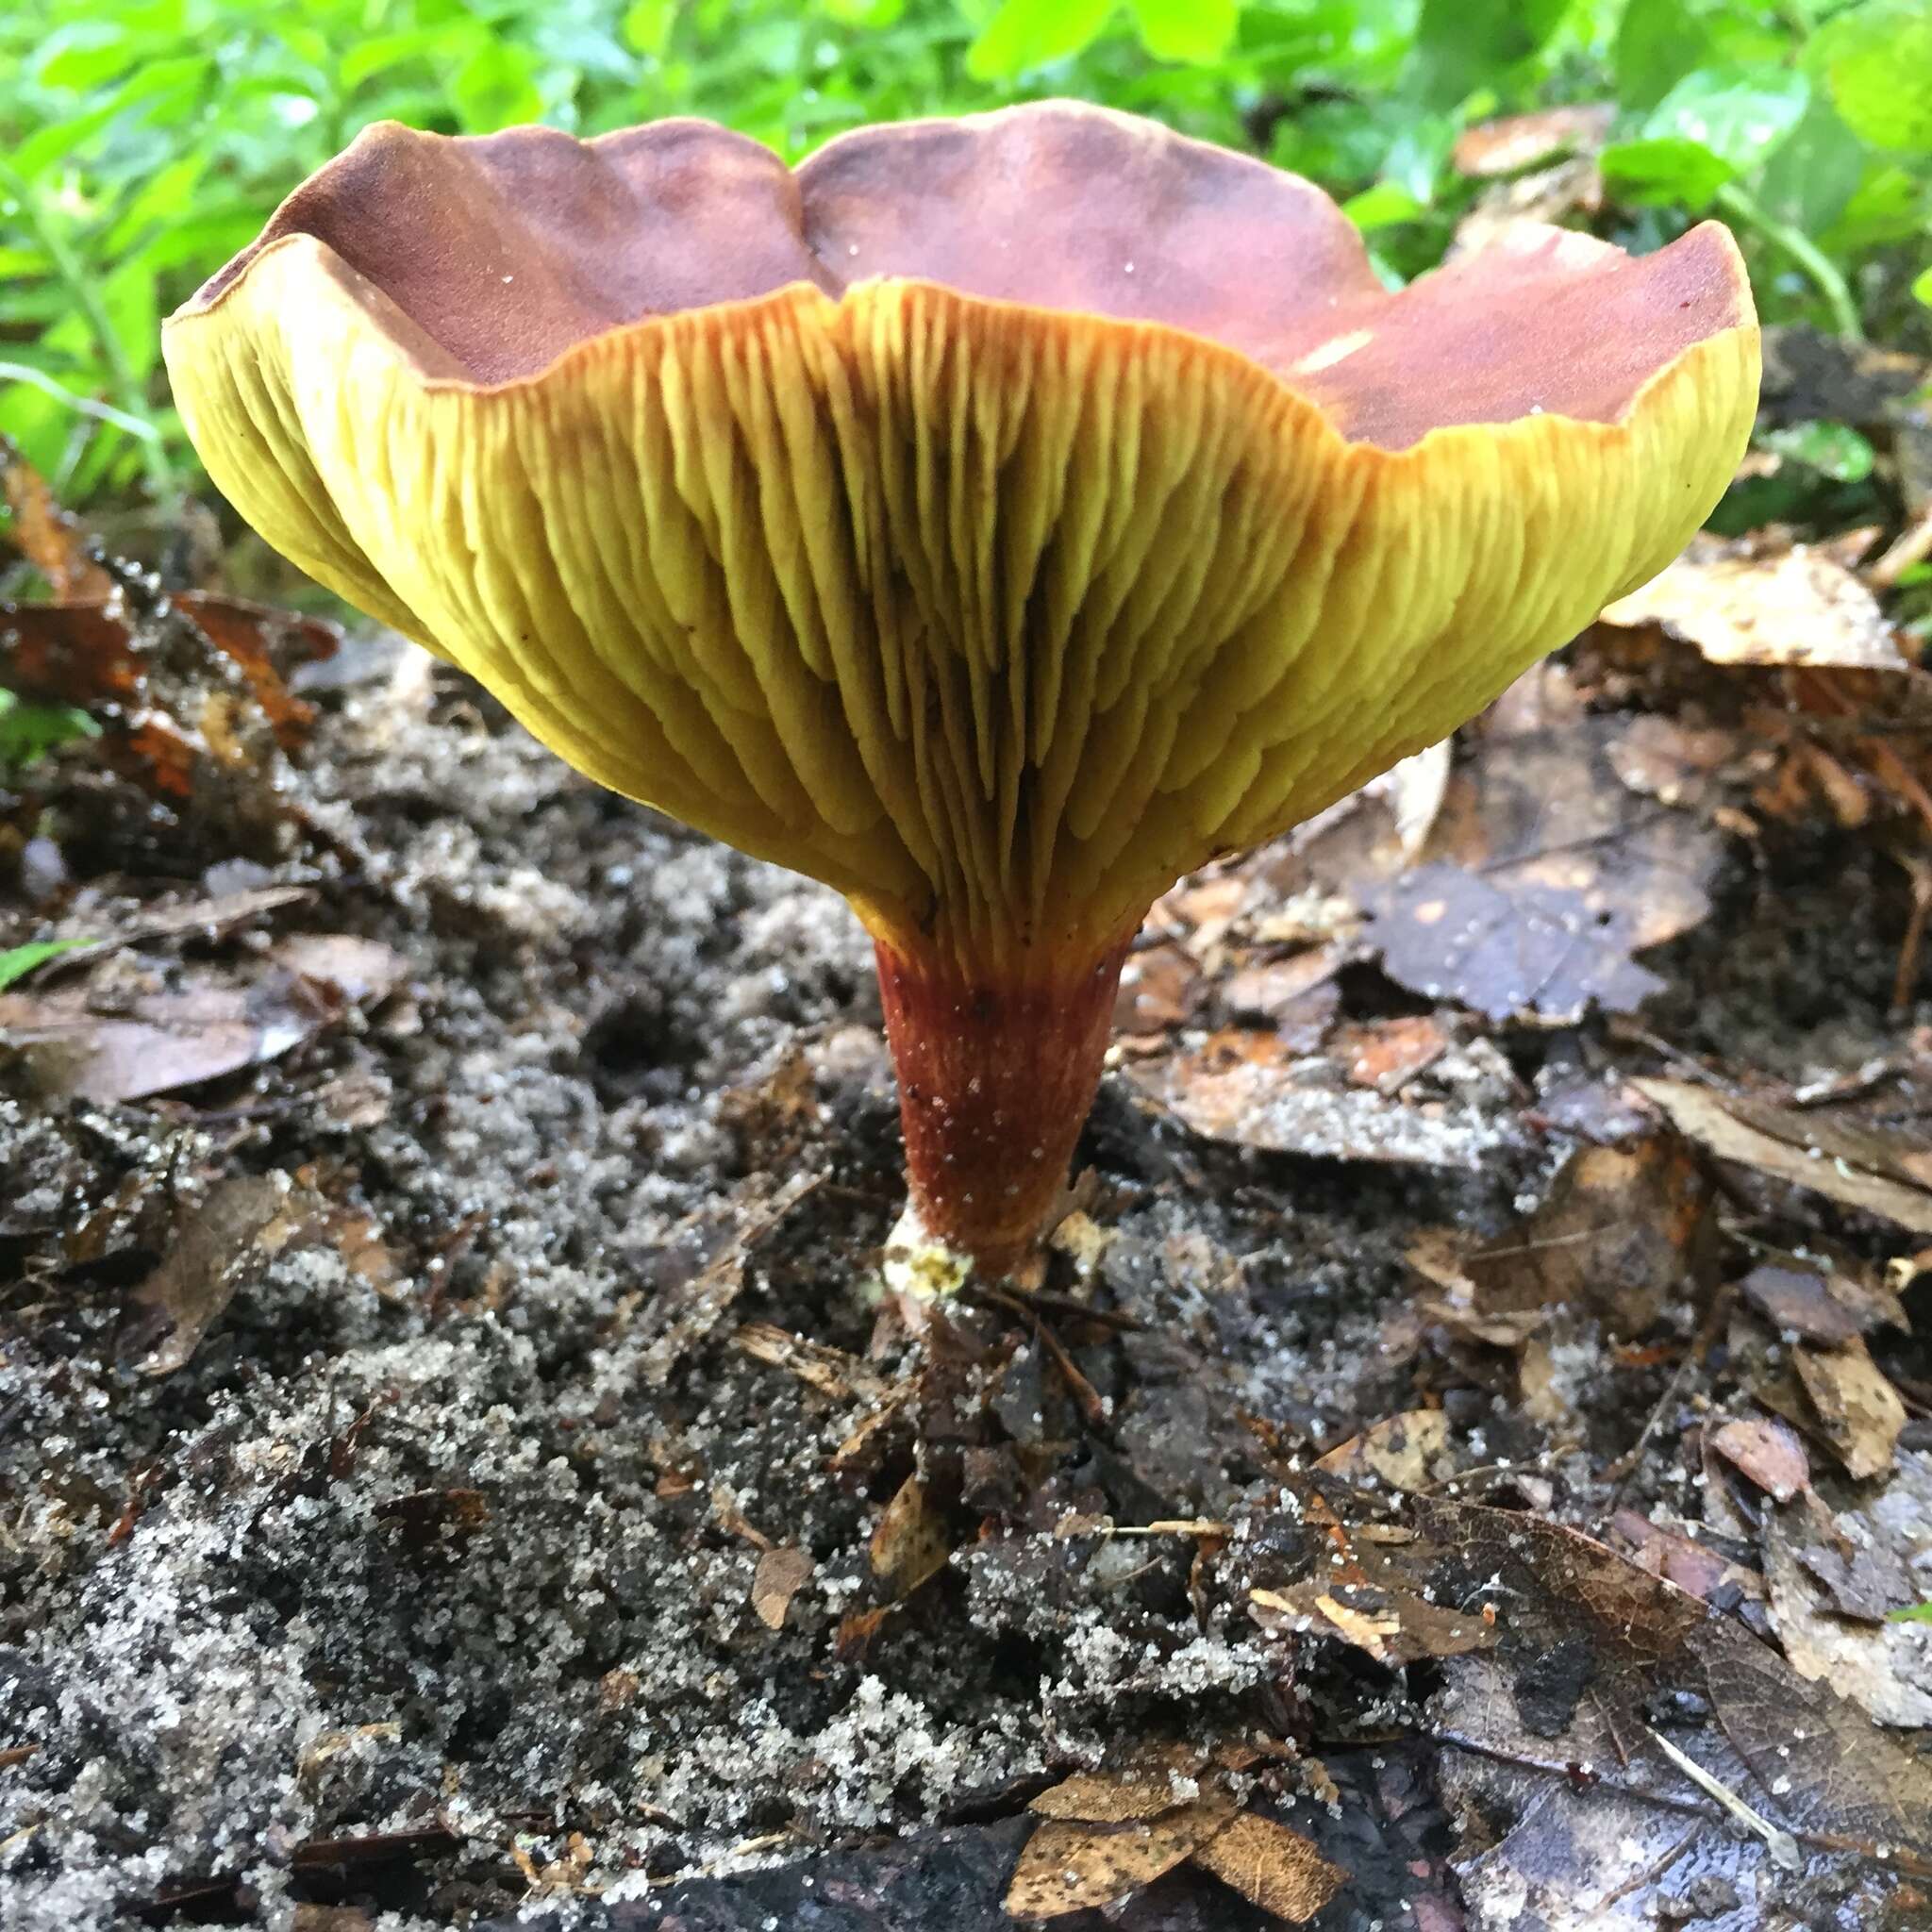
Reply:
x=1463, y=1458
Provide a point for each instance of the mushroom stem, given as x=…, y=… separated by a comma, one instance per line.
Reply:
x=996, y=1078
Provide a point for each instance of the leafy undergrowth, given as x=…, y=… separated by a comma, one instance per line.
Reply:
x=1465, y=1461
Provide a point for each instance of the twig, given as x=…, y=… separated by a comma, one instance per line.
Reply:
x=1784, y=1847
x=1913, y=547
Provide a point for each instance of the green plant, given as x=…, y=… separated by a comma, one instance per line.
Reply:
x=16, y=962
x=145, y=141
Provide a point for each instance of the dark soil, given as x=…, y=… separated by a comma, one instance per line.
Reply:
x=423, y=1594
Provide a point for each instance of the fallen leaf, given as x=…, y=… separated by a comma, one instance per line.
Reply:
x=1071, y=1867
x=49, y=536
x=781, y=1574
x=1387, y=1054
x=1620, y=1230
x=817, y=1364
x=694, y=1302
x=1119, y=1796
x=96, y=655
x=1883, y=1666
x=1248, y=1089
x=1375, y=1605
x=166, y=1041
x=1767, y=1451
x=1695, y=1568
x=1399, y=1450
x=1157, y=992
x=363, y=972
x=1514, y=949
x=1673, y=762
x=910, y=1543
x=1796, y=608
x=1859, y=1411
x=1594, y=1823
x=1800, y=1298
x=1880, y=1174
x=152, y=1042
x=218, y=1245
x=1272, y=1867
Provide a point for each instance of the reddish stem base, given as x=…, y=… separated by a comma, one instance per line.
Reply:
x=994, y=1083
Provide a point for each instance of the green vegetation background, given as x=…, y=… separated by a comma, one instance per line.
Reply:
x=143, y=142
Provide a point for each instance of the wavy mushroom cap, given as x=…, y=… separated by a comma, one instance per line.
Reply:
x=995, y=518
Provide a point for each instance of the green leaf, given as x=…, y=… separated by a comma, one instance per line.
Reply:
x=1814, y=173
x=1912, y=1613
x=1659, y=42
x=1657, y=173
x=1034, y=33
x=1739, y=114
x=1892, y=203
x=1921, y=286
x=1876, y=61
x=81, y=56
x=1833, y=449
x=381, y=52
x=1199, y=31
x=169, y=192
x=18, y=961
x=876, y=14
x=496, y=87
x=1461, y=45
x=1383, y=205
x=26, y=731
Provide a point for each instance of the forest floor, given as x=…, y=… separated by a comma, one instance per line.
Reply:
x=1460, y=1465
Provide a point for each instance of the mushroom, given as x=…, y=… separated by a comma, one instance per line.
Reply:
x=995, y=518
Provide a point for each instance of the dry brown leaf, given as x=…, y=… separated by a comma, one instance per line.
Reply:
x=1621, y=1229
x=1769, y=1451
x=80, y=1043
x=1398, y=1450
x=241, y=1226
x=1366, y=1630
x=1858, y=1411
x=780, y=1575
x=1157, y=992
x=1110, y=1797
x=363, y=972
x=1511, y=946
x=1071, y=1867
x=910, y=1543
x=1830, y=1598
x=1673, y=762
x=696, y=1305
x=1392, y=1622
x=1693, y=1567
x=817, y=1364
x=48, y=536
x=1799, y=608
x=856, y=1630
x=1805, y=1300
x=1255, y=1089
x=1387, y=1054
x=1272, y=1867
x=1881, y=1174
